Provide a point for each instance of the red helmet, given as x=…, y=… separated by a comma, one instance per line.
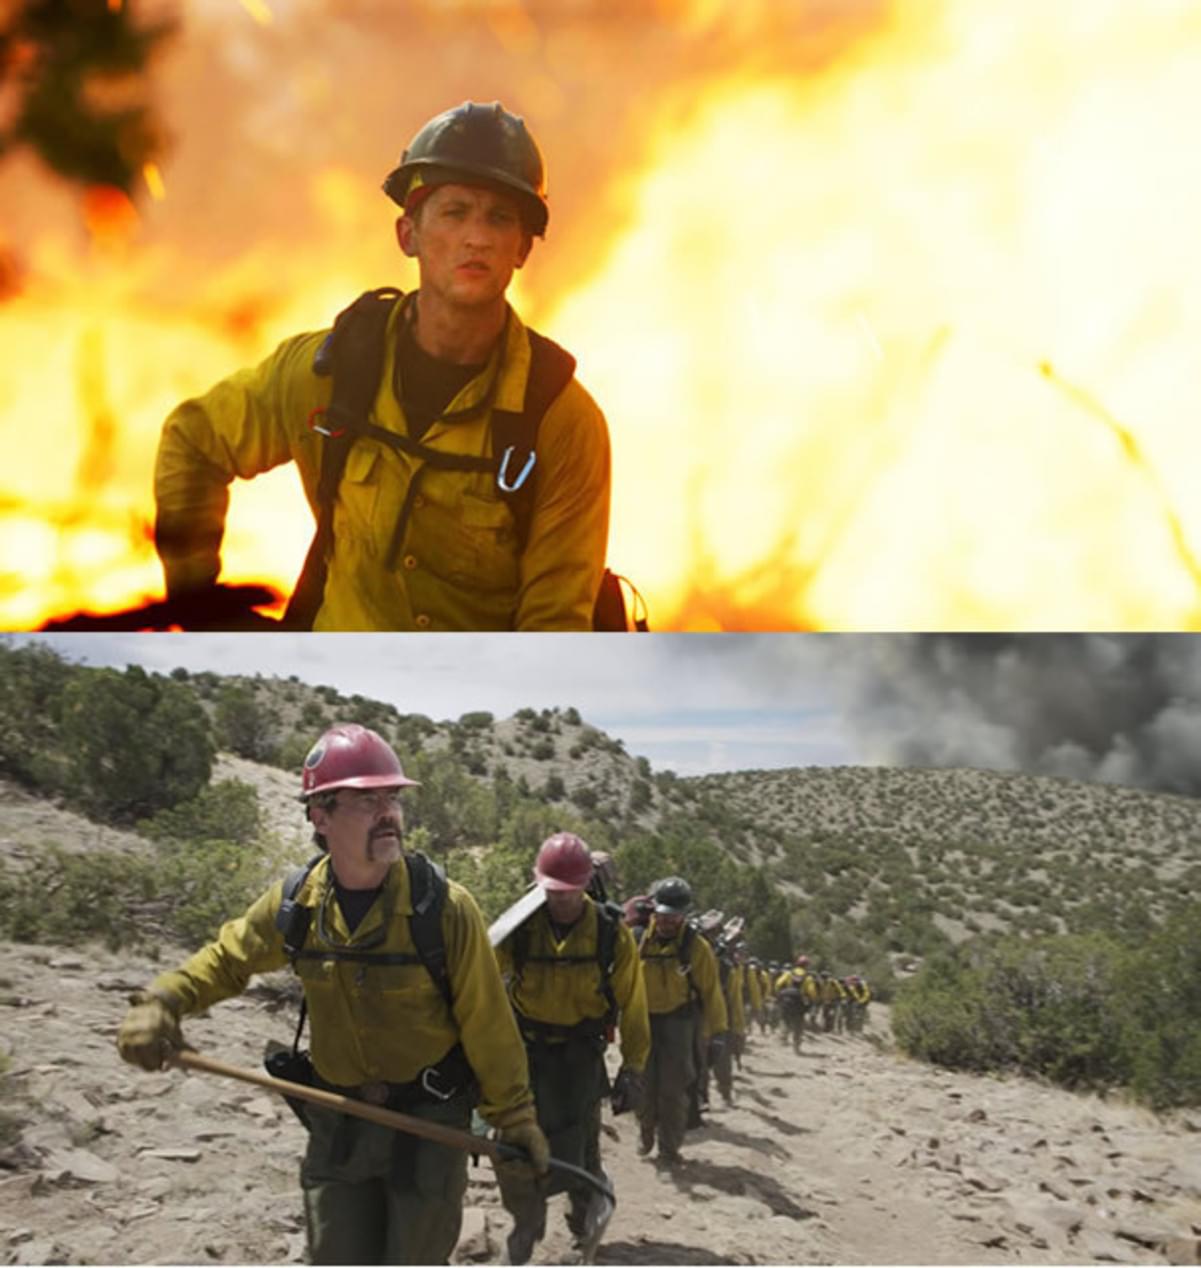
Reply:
x=801, y=962
x=564, y=862
x=351, y=756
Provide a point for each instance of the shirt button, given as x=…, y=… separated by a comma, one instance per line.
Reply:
x=410, y=561
x=419, y=500
x=421, y=620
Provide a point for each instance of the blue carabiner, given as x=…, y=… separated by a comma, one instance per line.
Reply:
x=504, y=466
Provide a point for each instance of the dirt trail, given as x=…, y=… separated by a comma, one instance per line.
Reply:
x=843, y=1154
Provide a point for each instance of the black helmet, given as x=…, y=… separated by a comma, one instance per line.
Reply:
x=672, y=895
x=476, y=141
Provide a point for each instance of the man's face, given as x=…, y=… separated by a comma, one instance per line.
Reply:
x=668, y=924
x=467, y=241
x=363, y=826
x=566, y=906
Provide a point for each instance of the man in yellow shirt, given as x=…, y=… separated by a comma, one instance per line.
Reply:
x=434, y=511
x=389, y=1025
x=573, y=976
x=679, y=967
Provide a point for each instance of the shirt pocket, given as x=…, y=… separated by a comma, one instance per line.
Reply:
x=479, y=549
x=358, y=492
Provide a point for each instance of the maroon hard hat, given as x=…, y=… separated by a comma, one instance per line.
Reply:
x=351, y=756
x=564, y=862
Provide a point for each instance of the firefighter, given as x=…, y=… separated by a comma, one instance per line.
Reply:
x=679, y=967
x=754, y=993
x=428, y=521
x=796, y=993
x=831, y=994
x=572, y=974
x=859, y=995
x=391, y=1022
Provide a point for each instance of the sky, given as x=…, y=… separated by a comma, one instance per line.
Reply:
x=688, y=704
x=1111, y=708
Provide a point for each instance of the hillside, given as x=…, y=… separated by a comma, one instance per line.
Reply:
x=866, y=867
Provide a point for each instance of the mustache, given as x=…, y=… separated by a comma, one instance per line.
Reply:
x=388, y=826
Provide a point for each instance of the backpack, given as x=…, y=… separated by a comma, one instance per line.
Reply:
x=684, y=955
x=353, y=353
x=427, y=885
x=608, y=918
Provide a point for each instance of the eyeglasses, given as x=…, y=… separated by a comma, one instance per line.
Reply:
x=371, y=801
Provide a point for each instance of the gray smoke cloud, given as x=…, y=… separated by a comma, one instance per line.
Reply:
x=1123, y=709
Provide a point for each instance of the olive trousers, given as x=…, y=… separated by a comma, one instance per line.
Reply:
x=670, y=1070
x=569, y=1082
x=377, y=1196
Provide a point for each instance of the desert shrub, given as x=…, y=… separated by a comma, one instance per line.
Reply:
x=585, y=797
x=33, y=680
x=182, y=893
x=73, y=898
x=1081, y=1010
x=480, y=720
x=554, y=789
x=225, y=811
x=244, y=725
x=135, y=743
x=543, y=750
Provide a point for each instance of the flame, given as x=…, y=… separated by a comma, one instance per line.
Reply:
x=900, y=333
x=823, y=333
x=154, y=181
x=259, y=11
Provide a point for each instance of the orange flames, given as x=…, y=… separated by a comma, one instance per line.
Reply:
x=906, y=338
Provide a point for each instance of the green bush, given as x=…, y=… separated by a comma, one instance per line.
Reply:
x=225, y=811
x=182, y=894
x=1082, y=1010
x=135, y=743
x=244, y=725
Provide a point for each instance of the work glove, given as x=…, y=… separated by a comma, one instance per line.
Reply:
x=628, y=1090
x=528, y=1135
x=718, y=1044
x=150, y=1032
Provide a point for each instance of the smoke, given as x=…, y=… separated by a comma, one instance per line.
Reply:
x=1122, y=709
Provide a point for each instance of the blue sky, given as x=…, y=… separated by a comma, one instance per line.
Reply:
x=689, y=703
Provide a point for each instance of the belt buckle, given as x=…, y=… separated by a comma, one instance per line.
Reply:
x=428, y=1088
x=374, y=1093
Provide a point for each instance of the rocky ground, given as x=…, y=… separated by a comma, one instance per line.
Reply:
x=843, y=1154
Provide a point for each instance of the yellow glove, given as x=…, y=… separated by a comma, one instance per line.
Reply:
x=150, y=1032
x=528, y=1135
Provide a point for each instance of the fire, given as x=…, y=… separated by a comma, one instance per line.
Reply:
x=907, y=340
x=824, y=332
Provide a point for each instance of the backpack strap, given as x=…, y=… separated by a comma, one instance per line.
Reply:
x=427, y=886
x=353, y=353
x=515, y=435
x=605, y=958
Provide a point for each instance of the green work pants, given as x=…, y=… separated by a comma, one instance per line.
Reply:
x=568, y=1081
x=670, y=1070
x=377, y=1196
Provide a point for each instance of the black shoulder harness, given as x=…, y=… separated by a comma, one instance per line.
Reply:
x=353, y=353
x=427, y=885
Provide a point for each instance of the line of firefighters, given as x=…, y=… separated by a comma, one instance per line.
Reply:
x=751, y=992
x=416, y=1006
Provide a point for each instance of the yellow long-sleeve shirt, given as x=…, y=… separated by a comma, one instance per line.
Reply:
x=374, y=1022
x=670, y=984
x=458, y=564
x=560, y=982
